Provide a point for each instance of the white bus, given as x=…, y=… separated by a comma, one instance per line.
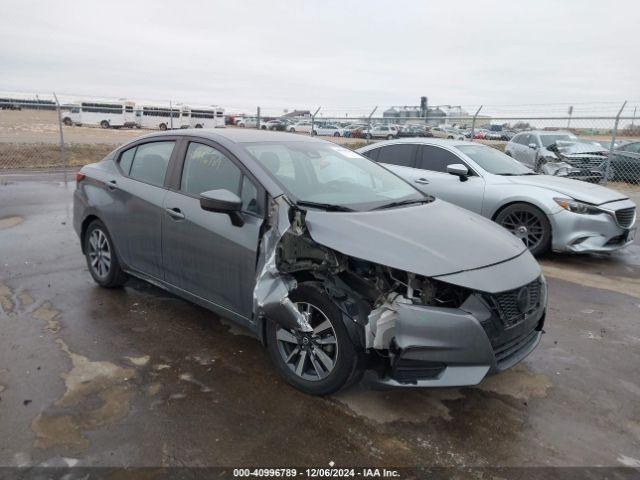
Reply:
x=104, y=114
x=162, y=117
x=207, y=117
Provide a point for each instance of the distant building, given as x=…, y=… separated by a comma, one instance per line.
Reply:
x=297, y=114
x=413, y=113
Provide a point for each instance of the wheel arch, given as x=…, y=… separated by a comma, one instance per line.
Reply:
x=84, y=226
x=530, y=203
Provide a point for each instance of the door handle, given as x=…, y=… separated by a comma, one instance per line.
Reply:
x=175, y=213
x=422, y=181
x=112, y=185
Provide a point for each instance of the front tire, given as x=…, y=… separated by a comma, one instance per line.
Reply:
x=163, y=126
x=529, y=224
x=102, y=259
x=104, y=124
x=323, y=361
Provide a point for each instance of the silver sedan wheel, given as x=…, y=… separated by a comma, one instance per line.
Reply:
x=526, y=226
x=311, y=356
x=99, y=253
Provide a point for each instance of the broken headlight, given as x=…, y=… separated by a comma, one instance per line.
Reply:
x=574, y=206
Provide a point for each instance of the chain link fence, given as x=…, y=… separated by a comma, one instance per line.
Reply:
x=596, y=142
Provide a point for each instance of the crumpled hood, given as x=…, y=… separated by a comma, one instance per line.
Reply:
x=575, y=148
x=433, y=239
x=576, y=189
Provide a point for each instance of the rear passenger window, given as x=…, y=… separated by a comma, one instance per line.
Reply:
x=206, y=168
x=126, y=159
x=436, y=159
x=150, y=162
x=401, y=155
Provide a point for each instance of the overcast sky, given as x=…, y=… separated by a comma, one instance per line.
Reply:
x=343, y=55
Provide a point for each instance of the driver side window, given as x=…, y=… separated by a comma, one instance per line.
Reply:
x=206, y=168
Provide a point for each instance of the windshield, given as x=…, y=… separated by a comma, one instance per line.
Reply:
x=494, y=161
x=548, y=140
x=329, y=174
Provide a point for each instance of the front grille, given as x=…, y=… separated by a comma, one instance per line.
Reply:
x=514, y=305
x=625, y=216
x=506, y=352
x=585, y=162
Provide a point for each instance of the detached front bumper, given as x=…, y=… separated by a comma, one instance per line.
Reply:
x=442, y=347
x=579, y=233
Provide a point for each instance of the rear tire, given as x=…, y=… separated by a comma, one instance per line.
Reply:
x=528, y=223
x=67, y=121
x=163, y=126
x=101, y=256
x=198, y=126
x=390, y=137
x=336, y=349
x=104, y=124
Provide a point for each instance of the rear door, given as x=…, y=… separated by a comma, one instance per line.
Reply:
x=399, y=158
x=137, y=211
x=203, y=253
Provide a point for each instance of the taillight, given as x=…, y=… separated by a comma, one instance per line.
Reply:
x=79, y=177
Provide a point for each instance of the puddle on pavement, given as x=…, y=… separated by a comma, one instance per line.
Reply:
x=422, y=405
x=627, y=285
x=9, y=222
x=64, y=423
x=6, y=300
x=398, y=405
x=48, y=315
x=518, y=382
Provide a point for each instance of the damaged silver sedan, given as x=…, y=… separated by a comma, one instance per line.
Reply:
x=340, y=267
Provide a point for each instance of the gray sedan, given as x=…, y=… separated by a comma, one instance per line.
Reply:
x=544, y=211
x=338, y=265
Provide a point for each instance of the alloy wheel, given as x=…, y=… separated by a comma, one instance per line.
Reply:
x=526, y=226
x=99, y=253
x=311, y=356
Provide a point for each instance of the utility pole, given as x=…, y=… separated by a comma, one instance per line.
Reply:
x=473, y=122
x=569, y=120
x=62, y=155
x=613, y=142
x=313, y=119
x=258, y=119
x=369, y=123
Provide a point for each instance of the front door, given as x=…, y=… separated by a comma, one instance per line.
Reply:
x=203, y=253
x=431, y=176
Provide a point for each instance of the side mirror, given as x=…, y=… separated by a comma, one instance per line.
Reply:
x=533, y=146
x=223, y=201
x=459, y=170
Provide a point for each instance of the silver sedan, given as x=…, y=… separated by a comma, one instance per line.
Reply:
x=546, y=212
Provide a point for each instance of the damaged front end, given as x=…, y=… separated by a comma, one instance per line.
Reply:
x=577, y=160
x=414, y=329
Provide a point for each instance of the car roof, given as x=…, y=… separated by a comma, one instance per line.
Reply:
x=442, y=142
x=548, y=132
x=234, y=135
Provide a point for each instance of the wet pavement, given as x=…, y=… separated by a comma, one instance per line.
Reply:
x=138, y=377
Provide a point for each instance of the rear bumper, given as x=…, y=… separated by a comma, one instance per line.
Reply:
x=440, y=347
x=578, y=233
